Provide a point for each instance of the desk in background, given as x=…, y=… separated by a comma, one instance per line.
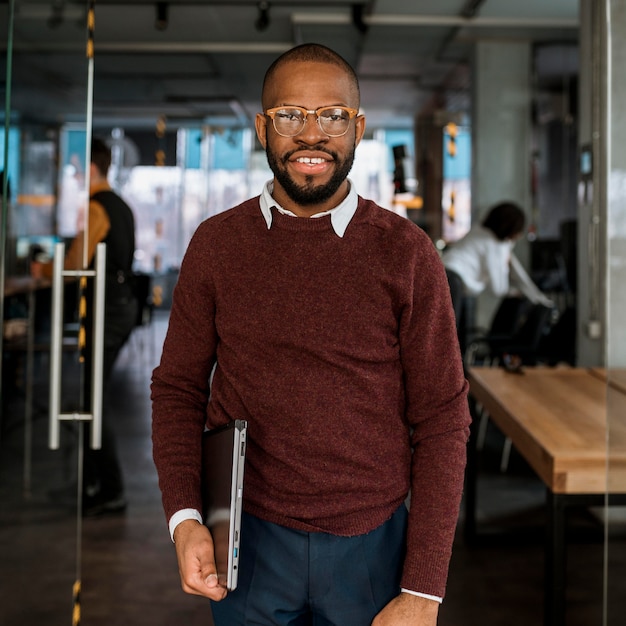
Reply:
x=556, y=419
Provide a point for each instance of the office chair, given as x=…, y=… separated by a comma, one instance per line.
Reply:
x=507, y=320
x=530, y=324
x=142, y=288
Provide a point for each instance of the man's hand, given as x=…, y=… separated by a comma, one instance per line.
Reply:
x=408, y=610
x=196, y=560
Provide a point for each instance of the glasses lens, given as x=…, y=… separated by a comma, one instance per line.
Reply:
x=288, y=122
x=334, y=121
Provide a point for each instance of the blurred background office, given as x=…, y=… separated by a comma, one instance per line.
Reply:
x=468, y=102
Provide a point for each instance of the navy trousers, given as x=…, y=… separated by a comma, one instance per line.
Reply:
x=293, y=578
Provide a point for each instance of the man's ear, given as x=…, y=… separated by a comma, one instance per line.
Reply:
x=359, y=128
x=260, y=124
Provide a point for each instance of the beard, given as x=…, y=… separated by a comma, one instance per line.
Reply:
x=310, y=194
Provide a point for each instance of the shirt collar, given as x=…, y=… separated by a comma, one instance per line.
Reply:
x=340, y=216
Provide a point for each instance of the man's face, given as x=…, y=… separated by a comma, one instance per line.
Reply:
x=311, y=168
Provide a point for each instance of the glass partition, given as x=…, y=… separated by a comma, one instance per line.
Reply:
x=39, y=512
x=613, y=45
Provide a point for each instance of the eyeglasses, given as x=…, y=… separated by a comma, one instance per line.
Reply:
x=289, y=121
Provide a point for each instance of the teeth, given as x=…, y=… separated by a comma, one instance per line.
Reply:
x=310, y=161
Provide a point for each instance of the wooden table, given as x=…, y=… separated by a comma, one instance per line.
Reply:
x=557, y=420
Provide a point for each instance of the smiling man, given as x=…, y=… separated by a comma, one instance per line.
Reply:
x=325, y=321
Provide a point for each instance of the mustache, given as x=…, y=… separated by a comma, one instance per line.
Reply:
x=316, y=148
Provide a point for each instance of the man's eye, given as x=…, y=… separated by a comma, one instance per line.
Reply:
x=334, y=116
x=289, y=116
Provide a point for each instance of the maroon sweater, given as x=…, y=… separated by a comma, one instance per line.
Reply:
x=342, y=354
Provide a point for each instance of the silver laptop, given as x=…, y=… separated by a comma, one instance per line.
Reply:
x=223, y=457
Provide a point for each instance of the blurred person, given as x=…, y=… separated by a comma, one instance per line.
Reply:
x=483, y=259
x=111, y=221
x=329, y=323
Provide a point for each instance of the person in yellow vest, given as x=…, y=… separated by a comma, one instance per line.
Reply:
x=110, y=221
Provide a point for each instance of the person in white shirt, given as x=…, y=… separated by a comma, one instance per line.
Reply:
x=483, y=259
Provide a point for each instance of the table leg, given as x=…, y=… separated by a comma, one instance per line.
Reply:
x=555, y=561
x=28, y=408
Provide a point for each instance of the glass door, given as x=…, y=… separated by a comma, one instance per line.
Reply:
x=612, y=46
x=40, y=468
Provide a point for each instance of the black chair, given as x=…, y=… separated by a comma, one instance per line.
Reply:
x=530, y=324
x=559, y=345
x=142, y=289
x=506, y=322
x=524, y=344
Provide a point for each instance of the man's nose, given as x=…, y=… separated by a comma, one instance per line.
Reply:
x=312, y=131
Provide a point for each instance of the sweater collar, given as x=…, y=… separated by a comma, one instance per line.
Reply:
x=340, y=216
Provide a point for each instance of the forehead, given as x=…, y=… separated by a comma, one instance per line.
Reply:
x=310, y=84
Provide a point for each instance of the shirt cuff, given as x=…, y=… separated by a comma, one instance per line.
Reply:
x=181, y=516
x=423, y=595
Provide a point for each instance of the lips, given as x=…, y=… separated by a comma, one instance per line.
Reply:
x=310, y=162
x=315, y=155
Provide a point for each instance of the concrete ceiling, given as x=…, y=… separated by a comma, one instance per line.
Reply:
x=208, y=62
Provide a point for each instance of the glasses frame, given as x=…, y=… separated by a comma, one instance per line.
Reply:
x=271, y=113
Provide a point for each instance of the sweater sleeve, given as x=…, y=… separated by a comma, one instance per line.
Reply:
x=180, y=384
x=438, y=413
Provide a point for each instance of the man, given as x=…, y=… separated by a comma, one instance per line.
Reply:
x=330, y=325
x=110, y=221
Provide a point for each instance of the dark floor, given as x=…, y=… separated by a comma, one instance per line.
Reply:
x=128, y=567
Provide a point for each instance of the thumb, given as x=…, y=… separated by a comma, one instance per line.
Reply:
x=211, y=576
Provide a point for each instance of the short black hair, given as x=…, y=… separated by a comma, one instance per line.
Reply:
x=506, y=220
x=101, y=155
x=313, y=53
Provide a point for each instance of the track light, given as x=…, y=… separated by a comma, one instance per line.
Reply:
x=161, y=21
x=263, y=19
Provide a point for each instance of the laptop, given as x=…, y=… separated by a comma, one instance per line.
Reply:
x=223, y=457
